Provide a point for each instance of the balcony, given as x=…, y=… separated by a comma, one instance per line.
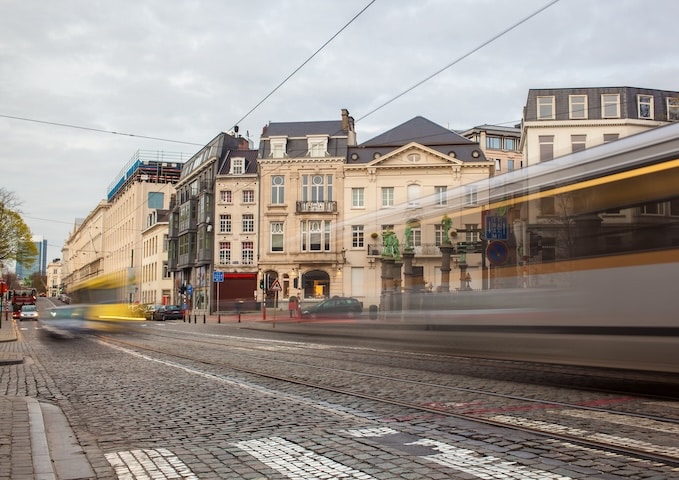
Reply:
x=316, y=207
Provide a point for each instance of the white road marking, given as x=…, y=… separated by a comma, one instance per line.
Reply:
x=598, y=437
x=339, y=410
x=464, y=460
x=296, y=462
x=149, y=464
x=622, y=419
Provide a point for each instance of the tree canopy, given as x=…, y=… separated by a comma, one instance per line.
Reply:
x=16, y=241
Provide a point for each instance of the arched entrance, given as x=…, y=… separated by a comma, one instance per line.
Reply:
x=316, y=284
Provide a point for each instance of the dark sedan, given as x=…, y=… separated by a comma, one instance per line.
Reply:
x=334, y=308
x=168, y=312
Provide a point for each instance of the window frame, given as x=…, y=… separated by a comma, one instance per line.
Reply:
x=357, y=197
x=608, y=100
x=544, y=101
x=277, y=190
x=277, y=236
x=573, y=103
x=640, y=102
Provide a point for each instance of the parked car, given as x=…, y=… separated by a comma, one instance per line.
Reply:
x=65, y=298
x=150, y=309
x=334, y=307
x=28, y=312
x=168, y=312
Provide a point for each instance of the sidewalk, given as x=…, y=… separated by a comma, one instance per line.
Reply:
x=36, y=440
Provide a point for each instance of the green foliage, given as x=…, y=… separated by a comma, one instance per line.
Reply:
x=15, y=237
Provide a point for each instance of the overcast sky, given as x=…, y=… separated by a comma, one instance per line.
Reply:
x=185, y=70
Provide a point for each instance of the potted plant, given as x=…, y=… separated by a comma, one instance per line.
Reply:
x=374, y=235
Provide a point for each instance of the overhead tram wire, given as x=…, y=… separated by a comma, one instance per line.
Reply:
x=285, y=80
x=99, y=130
x=458, y=60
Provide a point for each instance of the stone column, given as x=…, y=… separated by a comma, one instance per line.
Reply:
x=446, y=250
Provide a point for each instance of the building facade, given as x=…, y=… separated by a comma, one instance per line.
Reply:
x=301, y=177
x=499, y=144
x=559, y=121
x=191, y=246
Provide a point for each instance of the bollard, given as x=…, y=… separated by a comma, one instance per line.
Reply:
x=203, y=318
x=219, y=317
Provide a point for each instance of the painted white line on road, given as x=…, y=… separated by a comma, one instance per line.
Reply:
x=482, y=466
x=296, y=462
x=461, y=459
x=338, y=410
x=598, y=437
x=158, y=464
x=622, y=419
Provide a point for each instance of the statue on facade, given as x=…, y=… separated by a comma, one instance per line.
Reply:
x=390, y=245
x=408, y=239
x=447, y=223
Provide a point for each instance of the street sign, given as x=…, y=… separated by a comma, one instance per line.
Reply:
x=189, y=290
x=497, y=252
x=496, y=227
x=276, y=286
x=218, y=277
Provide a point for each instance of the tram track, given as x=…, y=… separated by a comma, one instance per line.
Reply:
x=500, y=414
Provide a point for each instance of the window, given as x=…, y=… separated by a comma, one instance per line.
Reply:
x=498, y=164
x=316, y=188
x=578, y=143
x=546, y=147
x=277, y=190
x=494, y=143
x=315, y=236
x=413, y=157
x=387, y=196
x=611, y=137
x=276, y=236
x=577, y=106
x=610, y=105
x=438, y=235
x=278, y=146
x=357, y=236
x=413, y=195
x=471, y=195
x=441, y=194
x=653, y=209
x=545, y=108
x=357, y=198
x=248, y=223
x=237, y=166
x=510, y=165
x=510, y=144
x=224, y=253
x=387, y=228
x=672, y=109
x=248, y=196
x=225, y=223
x=248, y=253
x=416, y=236
x=645, y=107
x=318, y=146
x=225, y=196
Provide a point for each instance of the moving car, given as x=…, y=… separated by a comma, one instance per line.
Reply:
x=334, y=307
x=28, y=312
x=65, y=322
x=167, y=312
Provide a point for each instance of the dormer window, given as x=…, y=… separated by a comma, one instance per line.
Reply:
x=237, y=166
x=318, y=146
x=278, y=146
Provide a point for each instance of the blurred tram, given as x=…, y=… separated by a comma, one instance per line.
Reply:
x=97, y=304
x=584, y=272
x=589, y=270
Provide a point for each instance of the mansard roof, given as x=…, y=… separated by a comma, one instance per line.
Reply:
x=330, y=128
x=420, y=130
x=250, y=161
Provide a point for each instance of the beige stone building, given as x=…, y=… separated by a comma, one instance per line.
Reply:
x=500, y=144
x=156, y=280
x=110, y=239
x=54, y=280
x=404, y=181
x=302, y=203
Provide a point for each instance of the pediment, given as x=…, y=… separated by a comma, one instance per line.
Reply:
x=414, y=155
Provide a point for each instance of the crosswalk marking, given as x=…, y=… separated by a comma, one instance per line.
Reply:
x=149, y=464
x=296, y=462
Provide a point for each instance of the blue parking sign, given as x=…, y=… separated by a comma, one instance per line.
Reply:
x=218, y=277
x=496, y=227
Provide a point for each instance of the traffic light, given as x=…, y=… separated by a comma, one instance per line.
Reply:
x=535, y=244
x=261, y=284
x=295, y=282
